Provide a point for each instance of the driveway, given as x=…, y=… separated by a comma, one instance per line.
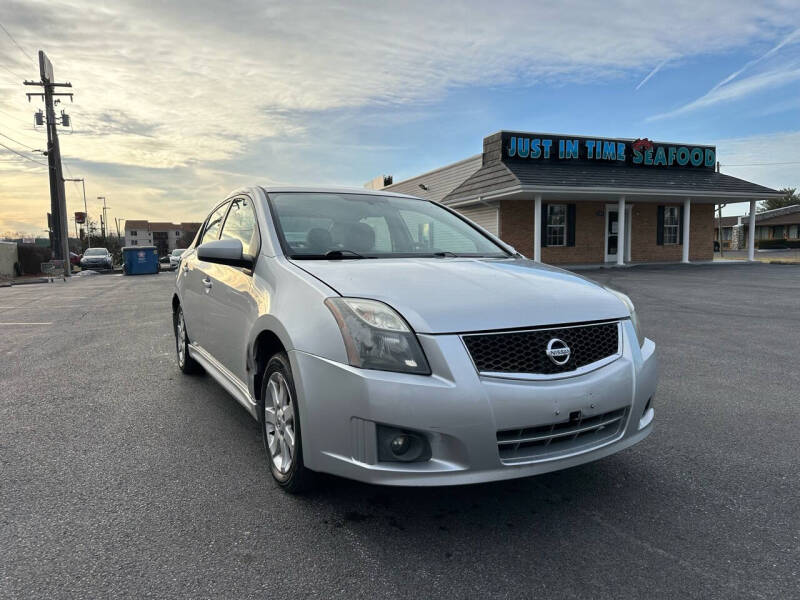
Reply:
x=123, y=478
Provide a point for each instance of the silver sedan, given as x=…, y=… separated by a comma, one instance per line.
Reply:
x=388, y=339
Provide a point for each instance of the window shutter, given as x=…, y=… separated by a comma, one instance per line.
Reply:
x=544, y=224
x=660, y=226
x=680, y=226
x=570, y=224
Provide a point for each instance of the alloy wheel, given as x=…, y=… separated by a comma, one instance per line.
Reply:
x=279, y=420
x=180, y=338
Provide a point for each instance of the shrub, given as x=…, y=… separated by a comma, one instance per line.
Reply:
x=775, y=244
x=31, y=257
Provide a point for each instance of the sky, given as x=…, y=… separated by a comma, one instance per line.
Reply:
x=179, y=102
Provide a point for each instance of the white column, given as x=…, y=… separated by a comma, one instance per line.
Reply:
x=687, y=208
x=751, y=232
x=621, y=241
x=537, y=228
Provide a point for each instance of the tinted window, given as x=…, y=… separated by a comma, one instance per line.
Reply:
x=241, y=225
x=214, y=224
x=312, y=224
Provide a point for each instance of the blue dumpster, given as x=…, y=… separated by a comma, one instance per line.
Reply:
x=138, y=260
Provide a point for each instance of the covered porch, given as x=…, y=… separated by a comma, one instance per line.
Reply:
x=600, y=227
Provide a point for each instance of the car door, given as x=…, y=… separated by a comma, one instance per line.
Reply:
x=191, y=276
x=232, y=295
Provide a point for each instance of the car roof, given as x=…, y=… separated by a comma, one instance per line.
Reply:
x=275, y=189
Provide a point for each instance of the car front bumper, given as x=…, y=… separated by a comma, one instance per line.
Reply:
x=460, y=413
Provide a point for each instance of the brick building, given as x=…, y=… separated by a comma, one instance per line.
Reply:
x=164, y=236
x=576, y=200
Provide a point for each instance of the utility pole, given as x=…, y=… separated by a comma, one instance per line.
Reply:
x=58, y=202
x=105, y=217
x=85, y=210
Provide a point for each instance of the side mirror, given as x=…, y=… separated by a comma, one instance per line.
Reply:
x=224, y=252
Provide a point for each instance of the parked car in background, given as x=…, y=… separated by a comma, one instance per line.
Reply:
x=388, y=339
x=74, y=259
x=175, y=258
x=96, y=259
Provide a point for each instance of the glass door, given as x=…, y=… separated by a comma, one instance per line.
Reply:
x=612, y=234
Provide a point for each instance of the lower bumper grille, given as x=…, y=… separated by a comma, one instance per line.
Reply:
x=554, y=440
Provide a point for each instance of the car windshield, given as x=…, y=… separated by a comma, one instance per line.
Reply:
x=334, y=225
x=178, y=252
x=96, y=252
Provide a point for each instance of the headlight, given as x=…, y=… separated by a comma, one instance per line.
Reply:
x=376, y=337
x=634, y=319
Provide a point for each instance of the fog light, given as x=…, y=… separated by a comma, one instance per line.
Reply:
x=400, y=445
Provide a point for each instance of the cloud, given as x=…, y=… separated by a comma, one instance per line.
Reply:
x=770, y=159
x=178, y=91
x=789, y=39
x=737, y=90
x=651, y=73
x=778, y=74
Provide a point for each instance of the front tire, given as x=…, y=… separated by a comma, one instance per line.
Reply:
x=280, y=427
x=185, y=362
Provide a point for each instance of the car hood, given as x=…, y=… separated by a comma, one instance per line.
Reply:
x=455, y=295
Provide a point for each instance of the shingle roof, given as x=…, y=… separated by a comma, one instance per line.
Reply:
x=131, y=224
x=439, y=182
x=780, y=216
x=500, y=175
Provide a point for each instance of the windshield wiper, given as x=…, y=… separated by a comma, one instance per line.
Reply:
x=445, y=253
x=335, y=254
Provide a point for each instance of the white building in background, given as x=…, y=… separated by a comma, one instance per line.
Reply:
x=165, y=236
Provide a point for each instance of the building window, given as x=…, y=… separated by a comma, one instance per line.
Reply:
x=133, y=233
x=671, y=225
x=792, y=232
x=726, y=233
x=134, y=242
x=556, y=225
x=777, y=232
x=177, y=234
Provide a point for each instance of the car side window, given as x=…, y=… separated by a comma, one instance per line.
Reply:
x=214, y=224
x=241, y=225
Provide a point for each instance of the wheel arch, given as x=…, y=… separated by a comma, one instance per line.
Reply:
x=266, y=343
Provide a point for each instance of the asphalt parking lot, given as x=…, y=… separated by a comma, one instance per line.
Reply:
x=123, y=478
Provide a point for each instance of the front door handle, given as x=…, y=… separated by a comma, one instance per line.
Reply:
x=207, y=283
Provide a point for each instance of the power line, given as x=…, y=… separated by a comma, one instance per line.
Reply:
x=763, y=164
x=71, y=176
x=8, y=137
x=23, y=156
x=11, y=37
x=13, y=117
x=12, y=72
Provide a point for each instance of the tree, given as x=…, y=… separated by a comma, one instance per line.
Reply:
x=790, y=198
x=187, y=238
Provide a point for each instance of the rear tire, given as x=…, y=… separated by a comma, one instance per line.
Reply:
x=280, y=427
x=186, y=363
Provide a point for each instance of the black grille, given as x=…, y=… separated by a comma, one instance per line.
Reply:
x=525, y=351
x=572, y=435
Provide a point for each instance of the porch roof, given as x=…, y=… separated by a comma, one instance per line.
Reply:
x=512, y=179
